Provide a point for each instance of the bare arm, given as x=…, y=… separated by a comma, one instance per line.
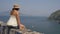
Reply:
x=18, y=19
x=21, y=26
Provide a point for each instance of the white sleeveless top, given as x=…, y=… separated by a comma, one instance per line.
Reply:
x=12, y=21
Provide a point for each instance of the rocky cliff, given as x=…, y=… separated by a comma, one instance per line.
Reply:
x=55, y=15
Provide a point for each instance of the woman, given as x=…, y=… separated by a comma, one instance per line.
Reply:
x=14, y=20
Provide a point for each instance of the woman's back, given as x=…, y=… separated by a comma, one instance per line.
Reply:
x=12, y=20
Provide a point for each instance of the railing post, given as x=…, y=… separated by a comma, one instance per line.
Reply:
x=6, y=30
x=0, y=29
x=12, y=31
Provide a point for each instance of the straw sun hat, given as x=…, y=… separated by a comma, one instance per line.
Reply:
x=16, y=6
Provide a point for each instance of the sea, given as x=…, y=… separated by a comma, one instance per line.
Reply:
x=37, y=23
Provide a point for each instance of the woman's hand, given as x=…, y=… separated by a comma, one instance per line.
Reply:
x=22, y=27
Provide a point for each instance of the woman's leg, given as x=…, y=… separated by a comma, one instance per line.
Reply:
x=11, y=27
x=15, y=27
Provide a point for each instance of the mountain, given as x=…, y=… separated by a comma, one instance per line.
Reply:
x=55, y=15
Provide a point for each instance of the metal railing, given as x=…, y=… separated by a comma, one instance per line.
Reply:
x=3, y=30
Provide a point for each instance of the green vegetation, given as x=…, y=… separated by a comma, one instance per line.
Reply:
x=55, y=15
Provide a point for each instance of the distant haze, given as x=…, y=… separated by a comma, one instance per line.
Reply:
x=32, y=7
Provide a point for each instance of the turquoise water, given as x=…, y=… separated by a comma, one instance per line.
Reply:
x=40, y=24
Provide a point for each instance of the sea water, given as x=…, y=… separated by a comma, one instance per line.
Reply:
x=37, y=23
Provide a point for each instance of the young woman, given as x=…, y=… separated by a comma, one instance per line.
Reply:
x=14, y=20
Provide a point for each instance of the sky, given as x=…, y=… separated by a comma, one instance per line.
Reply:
x=31, y=7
